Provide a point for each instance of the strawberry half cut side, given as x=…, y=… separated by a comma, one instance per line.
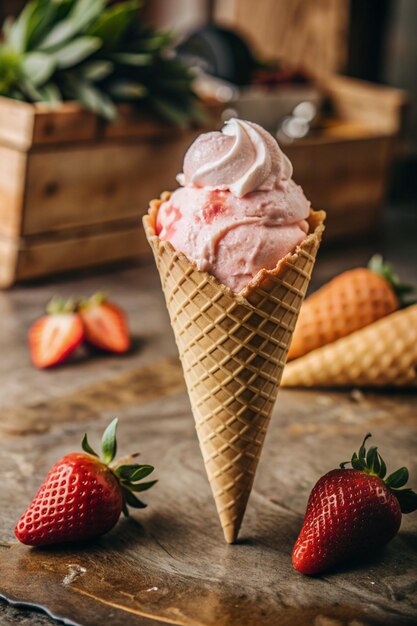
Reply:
x=105, y=324
x=352, y=512
x=83, y=495
x=56, y=335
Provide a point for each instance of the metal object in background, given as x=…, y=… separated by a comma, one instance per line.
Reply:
x=276, y=108
x=227, y=71
x=219, y=52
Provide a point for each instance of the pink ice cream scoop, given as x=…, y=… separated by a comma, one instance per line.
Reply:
x=238, y=211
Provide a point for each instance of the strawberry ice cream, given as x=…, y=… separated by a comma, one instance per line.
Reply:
x=238, y=211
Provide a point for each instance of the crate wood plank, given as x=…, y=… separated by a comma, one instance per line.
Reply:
x=353, y=176
x=376, y=106
x=16, y=123
x=169, y=564
x=134, y=124
x=23, y=125
x=12, y=188
x=8, y=261
x=67, y=123
x=99, y=182
x=87, y=250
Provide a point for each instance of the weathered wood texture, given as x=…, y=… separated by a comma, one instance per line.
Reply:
x=311, y=35
x=24, y=125
x=169, y=563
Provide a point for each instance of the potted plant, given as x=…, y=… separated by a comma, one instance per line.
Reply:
x=91, y=103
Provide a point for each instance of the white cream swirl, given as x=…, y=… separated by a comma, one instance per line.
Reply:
x=241, y=158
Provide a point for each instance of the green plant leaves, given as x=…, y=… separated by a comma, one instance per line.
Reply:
x=127, y=90
x=154, y=42
x=17, y=32
x=76, y=51
x=10, y=70
x=113, y=23
x=174, y=113
x=97, y=70
x=95, y=52
x=82, y=13
x=92, y=98
x=109, y=443
x=132, y=58
x=38, y=67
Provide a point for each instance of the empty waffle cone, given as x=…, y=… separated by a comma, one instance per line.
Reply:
x=383, y=354
x=233, y=349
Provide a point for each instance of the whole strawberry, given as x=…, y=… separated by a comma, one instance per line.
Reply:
x=352, y=512
x=82, y=496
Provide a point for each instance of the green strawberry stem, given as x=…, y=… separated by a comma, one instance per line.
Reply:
x=406, y=294
x=61, y=305
x=100, y=297
x=127, y=473
x=373, y=464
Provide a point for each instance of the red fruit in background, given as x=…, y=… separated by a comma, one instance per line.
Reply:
x=352, y=512
x=105, y=324
x=53, y=337
x=82, y=496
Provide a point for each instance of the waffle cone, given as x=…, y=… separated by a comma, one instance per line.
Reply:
x=383, y=354
x=233, y=349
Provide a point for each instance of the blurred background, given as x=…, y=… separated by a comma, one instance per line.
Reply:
x=333, y=80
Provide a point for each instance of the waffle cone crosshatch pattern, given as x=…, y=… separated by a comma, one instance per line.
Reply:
x=383, y=354
x=233, y=349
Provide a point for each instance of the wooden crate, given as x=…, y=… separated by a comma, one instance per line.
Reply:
x=345, y=168
x=73, y=188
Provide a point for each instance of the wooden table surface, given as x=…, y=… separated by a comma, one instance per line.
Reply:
x=169, y=564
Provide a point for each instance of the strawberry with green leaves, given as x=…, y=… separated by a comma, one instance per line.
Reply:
x=352, y=512
x=83, y=495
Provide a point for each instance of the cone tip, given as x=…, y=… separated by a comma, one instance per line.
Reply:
x=230, y=533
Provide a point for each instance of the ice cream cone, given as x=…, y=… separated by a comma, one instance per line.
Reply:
x=233, y=349
x=383, y=354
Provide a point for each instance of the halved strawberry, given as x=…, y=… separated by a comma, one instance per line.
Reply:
x=105, y=324
x=53, y=337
